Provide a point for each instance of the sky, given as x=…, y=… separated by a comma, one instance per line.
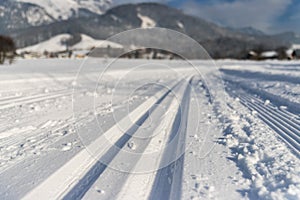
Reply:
x=270, y=16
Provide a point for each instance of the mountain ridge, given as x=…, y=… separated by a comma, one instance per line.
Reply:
x=219, y=41
x=30, y=13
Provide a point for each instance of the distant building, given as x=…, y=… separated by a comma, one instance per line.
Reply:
x=107, y=52
x=80, y=53
x=252, y=55
x=294, y=52
x=268, y=55
x=149, y=53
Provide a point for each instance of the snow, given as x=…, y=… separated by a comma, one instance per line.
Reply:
x=268, y=54
x=36, y=16
x=55, y=44
x=147, y=22
x=296, y=46
x=62, y=10
x=88, y=43
x=267, y=102
x=180, y=25
x=2, y=9
x=14, y=131
x=200, y=140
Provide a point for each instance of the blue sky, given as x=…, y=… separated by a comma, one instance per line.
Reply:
x=270, y=16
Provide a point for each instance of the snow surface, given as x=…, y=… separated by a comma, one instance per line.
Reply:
x=296, y=46
x=62, y=10
x=237, y=141
x=269, y=54
x=36, y=16
x=180, y=25
x=147, y=22
x=55, y=44
x=87, y=43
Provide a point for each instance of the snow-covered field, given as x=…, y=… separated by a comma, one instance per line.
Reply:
x=163, y=130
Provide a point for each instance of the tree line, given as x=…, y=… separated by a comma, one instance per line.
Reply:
x=7, y=49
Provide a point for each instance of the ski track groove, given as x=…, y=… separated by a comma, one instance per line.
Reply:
x=288, y=122
x=283, y=132
x=281, y=112
x=91, y=177
x=283, y=122
x=167, y=184
x=293, y=107
x=174, y=170
x=77, y=178
x=41, y=137
x=7, y=100
x=143, y=145
x=167, y=179
x=77, y=185
x=33, y=99
x=286, y=129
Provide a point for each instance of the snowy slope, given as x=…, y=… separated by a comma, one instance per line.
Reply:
x=52, y=45
x=88, y=42
x=155, y=130
x=55, y=44
x=62, y=10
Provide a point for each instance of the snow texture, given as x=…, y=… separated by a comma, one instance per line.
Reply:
x=245, y=146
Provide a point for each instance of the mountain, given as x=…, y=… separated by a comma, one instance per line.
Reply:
x=249, y=31
x=65, y=9
x=288, y=37
x=21, y=15
x=220, y=42
x=27, y=13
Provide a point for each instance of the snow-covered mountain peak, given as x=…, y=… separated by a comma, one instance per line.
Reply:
x=62, y=10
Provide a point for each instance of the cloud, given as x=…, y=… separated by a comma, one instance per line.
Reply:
x=256, y=13
x=270, y=16
x=290, y=20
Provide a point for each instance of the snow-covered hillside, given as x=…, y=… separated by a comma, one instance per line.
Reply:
x=62, y=10
x=159, y=131
x=56, y=44
x=88, y=42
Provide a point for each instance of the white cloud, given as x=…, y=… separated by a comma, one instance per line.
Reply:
x=295, y=15
x=260, y=14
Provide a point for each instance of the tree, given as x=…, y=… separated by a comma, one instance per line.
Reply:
x=282, y=52
x=7, y=49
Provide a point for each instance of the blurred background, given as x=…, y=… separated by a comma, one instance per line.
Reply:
x=238, y=29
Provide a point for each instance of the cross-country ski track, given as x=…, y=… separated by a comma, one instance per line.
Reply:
x=233, y=133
